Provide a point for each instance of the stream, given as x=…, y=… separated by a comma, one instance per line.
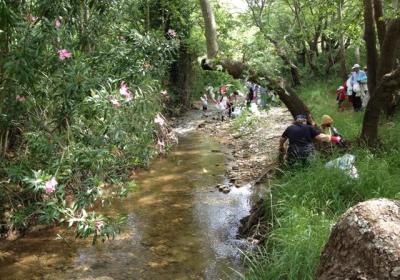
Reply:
x=179, y=226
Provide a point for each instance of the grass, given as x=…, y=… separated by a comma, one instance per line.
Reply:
x=308, y=201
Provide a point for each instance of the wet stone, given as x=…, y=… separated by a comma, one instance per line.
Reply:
x=161, y=250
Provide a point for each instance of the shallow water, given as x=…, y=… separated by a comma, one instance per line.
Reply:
x=179, y=226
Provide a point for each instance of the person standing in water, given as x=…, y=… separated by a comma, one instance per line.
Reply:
x=204, y=102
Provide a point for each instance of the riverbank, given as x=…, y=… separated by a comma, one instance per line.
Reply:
x=307, y=202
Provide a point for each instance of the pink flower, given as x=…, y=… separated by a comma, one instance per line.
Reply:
x=164, y=93
x=99, y=224
x=63, y=54
x=57, y=23
x=20, y=98
x=171, y=33
x=159, y=119
x=50, y=185
x=125, y=91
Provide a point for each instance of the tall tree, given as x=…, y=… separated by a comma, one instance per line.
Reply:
x=210, y=27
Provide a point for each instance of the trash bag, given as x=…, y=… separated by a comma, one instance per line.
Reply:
x=345, y=163
x=254, y=109
x=237, y=112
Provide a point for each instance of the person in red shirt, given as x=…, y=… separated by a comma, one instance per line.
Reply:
x=223, y=89
x=341, y=96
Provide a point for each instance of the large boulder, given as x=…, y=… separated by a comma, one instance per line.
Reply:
x=364, y=243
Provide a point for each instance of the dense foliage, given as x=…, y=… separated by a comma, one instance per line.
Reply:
x=81, y=85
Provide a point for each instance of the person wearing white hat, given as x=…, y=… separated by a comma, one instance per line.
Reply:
x=358, y=83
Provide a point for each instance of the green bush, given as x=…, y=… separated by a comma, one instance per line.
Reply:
x=66, y=129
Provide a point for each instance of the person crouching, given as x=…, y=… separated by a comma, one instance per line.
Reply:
x=301, y=147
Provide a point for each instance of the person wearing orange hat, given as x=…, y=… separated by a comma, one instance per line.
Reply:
x=328, y=129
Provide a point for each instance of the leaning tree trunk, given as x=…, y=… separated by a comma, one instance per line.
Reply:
x=210, y=28
x=287, y=95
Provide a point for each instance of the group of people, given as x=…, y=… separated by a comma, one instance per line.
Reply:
x=355, y=89
x=226, y=101
x=229, y=102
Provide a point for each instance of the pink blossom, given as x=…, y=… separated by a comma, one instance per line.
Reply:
x=57, y=23
x=50, y=185
x=164, y=93
x=125, y=91
x=63, y=54
x=159, y=119
x=99, y=224
x=20, y=98
x=171, y=33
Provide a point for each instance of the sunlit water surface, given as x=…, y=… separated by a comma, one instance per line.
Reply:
x=179, y=226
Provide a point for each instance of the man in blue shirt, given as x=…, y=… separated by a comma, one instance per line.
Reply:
x=300, y=135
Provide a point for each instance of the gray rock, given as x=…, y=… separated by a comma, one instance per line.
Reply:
x=364, y=243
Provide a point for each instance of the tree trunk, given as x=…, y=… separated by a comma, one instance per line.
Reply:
x=380, y=94
x=294, y=71
x=181, y=77
x=369, y=131
x=4, y=50
x=210, y=28
x=357, y=54
x=389, y=84
x=370, y=41
x=380, y=24
x=342, y=50
x=308, y=52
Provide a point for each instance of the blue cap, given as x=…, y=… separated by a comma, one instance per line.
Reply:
x=300, y=118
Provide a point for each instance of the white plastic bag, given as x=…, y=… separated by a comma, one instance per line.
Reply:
x=345, y=163
x=349, y=87
x=356, y=88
